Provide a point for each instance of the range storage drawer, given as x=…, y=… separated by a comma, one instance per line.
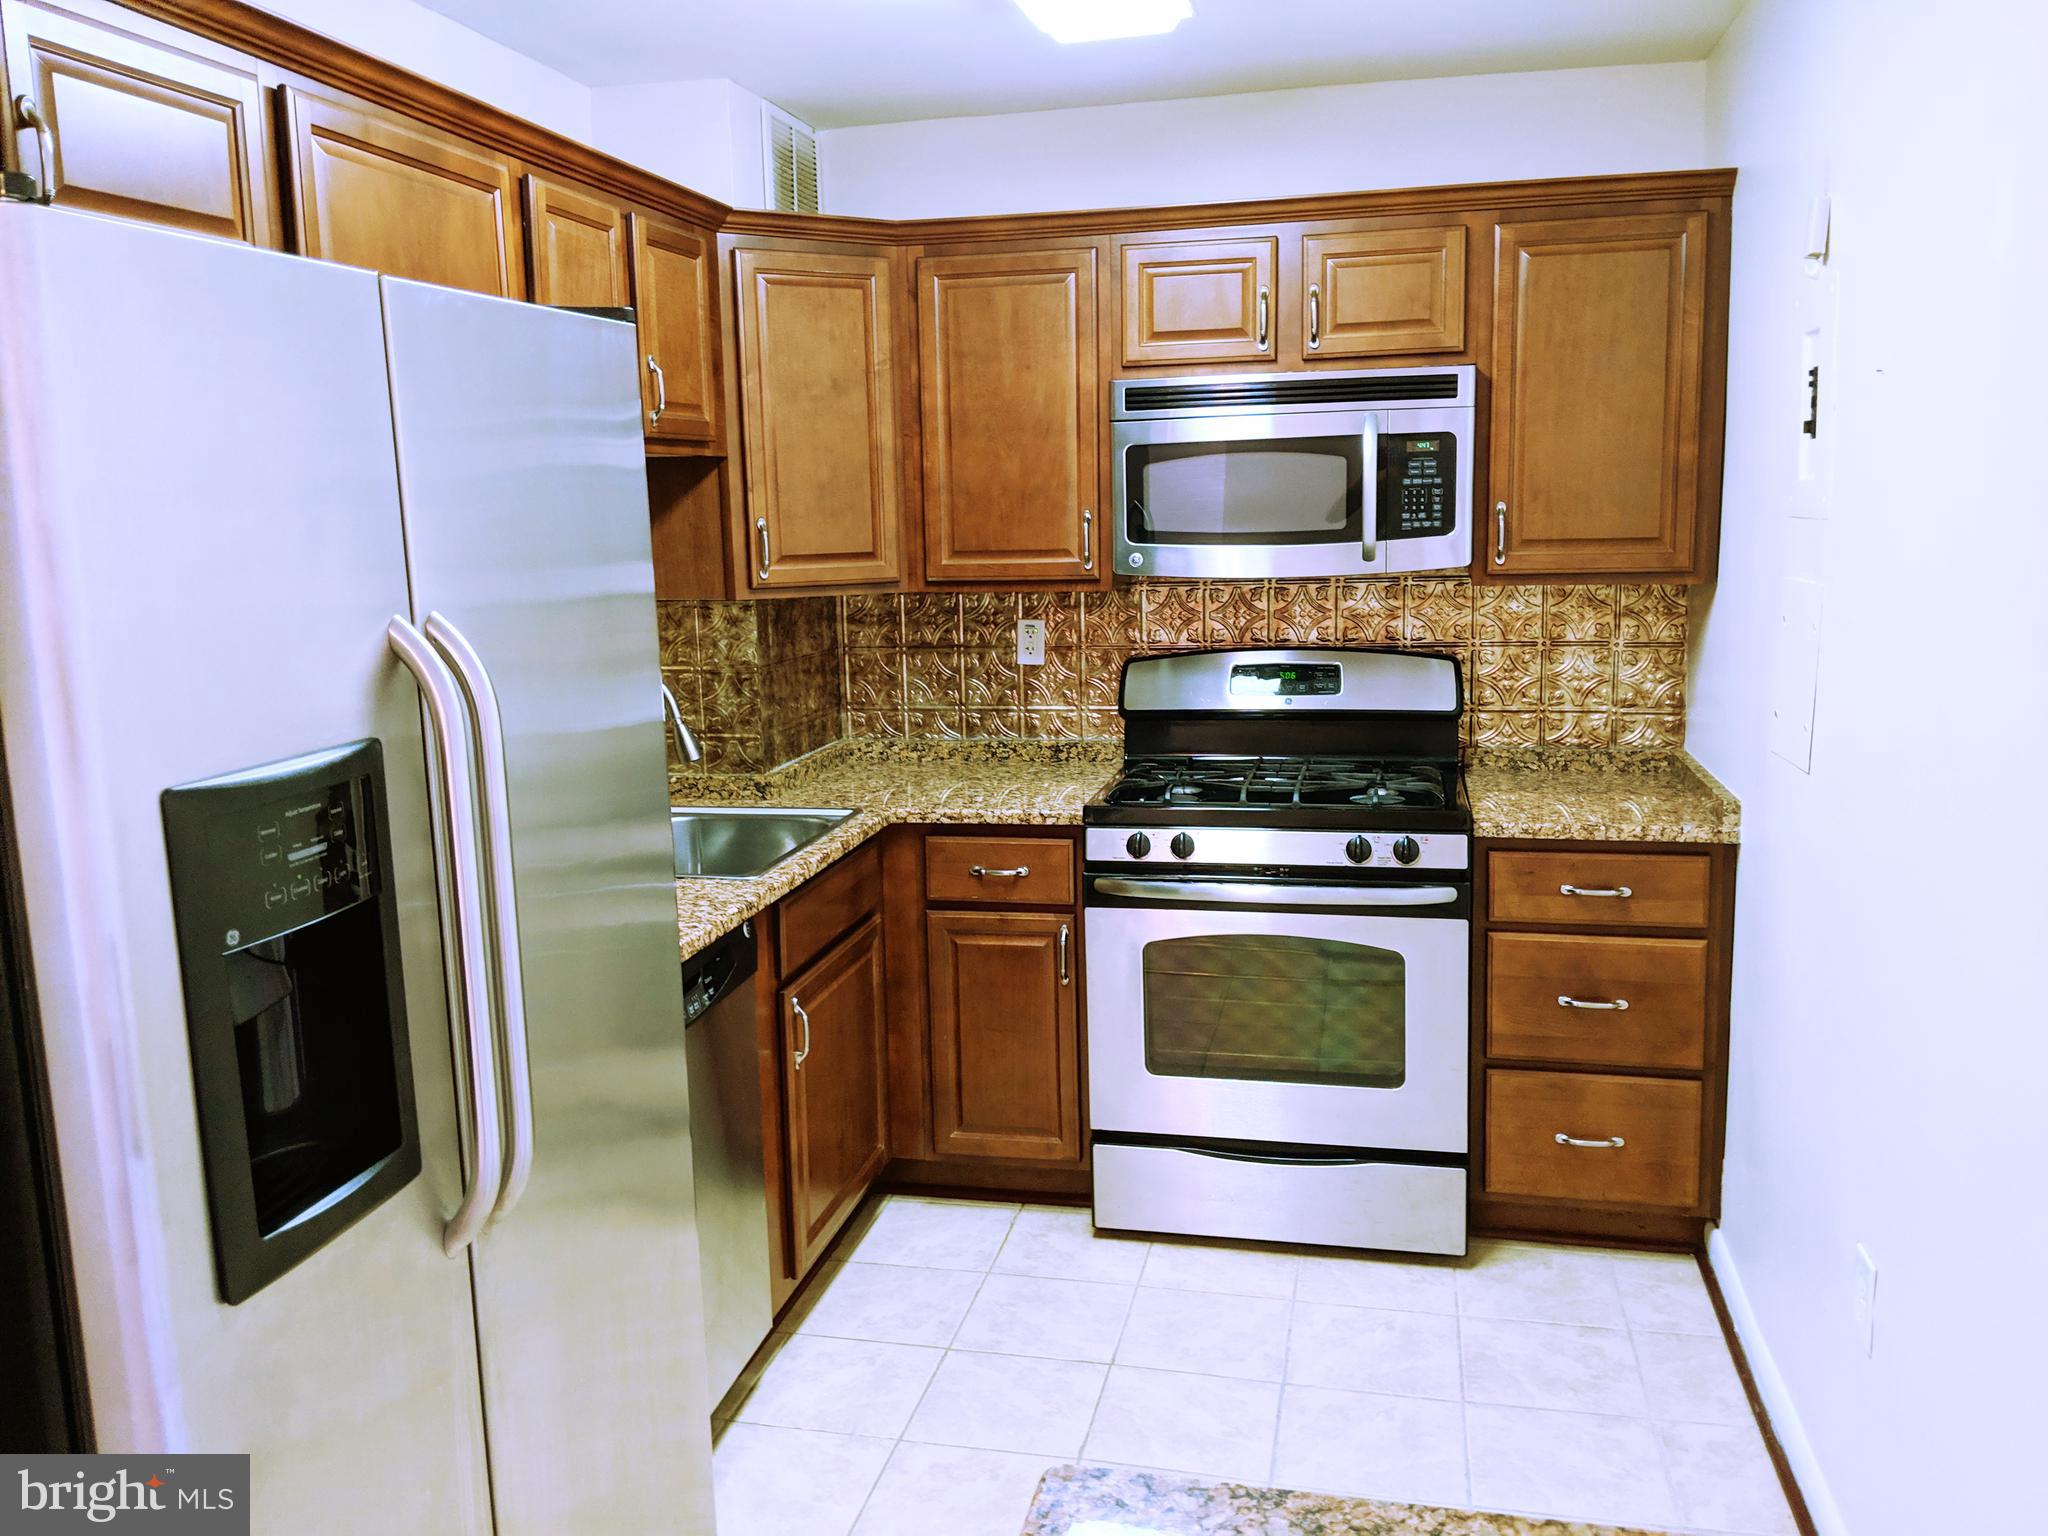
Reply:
x=1605, y=890
x=1026, y=871
x=1414, y=1207
x=1631, y=1140
x=1616, y=1002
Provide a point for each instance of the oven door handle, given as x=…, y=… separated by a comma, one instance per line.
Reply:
x=1299, y=1160
x=1255, y=893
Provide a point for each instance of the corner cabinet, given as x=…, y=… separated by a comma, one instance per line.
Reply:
x=369, y=188
x=1012, y=417
x=1606, y=412
x=121, y=115
x=817, y=347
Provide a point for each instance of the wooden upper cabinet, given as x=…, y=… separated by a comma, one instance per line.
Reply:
x=1005, y=1068
x=818, y=405
x=141, y=121
x=371, y=189
x=1371, y=292
x=1599, y=362
x=575, y=247
x=674, y=290
x=1198, y=301
x=834, y=1089
x=1012, y=416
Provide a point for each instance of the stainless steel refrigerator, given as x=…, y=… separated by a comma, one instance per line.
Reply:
x=368, y=1098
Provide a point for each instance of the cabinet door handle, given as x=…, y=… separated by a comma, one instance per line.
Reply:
x=983, y=872
x=1066, y=934
x=1315, y=316
x=1604, y=1144
x=761, y=532
x=1087, y=539
x=28, y=115
x=660, y=390
x=1619, y=1005
x=1500, y=533
x=804, y=1019
x=1265, y=303
x=1613, y=891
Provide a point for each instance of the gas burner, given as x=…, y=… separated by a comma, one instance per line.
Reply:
x=1279, y=781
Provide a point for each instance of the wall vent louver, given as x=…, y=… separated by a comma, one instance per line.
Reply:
x=1253, y=390
x=791, y=161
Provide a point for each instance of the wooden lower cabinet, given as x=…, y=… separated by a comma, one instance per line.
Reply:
x=834, y=1093
x=1601, y=1036
x=1005, y=1069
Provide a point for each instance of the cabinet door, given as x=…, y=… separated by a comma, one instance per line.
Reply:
x=1198, y=301
x=576, y=246
x=1006, y=1078
x=833, y=1084
x=672, y=289
x=1598, y=361
x=818, y=407
x=142, y=122
x=1012, y=416
x=1370, y=292
x=371, y=189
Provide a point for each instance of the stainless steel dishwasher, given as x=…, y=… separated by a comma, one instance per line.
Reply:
x=725, y=1143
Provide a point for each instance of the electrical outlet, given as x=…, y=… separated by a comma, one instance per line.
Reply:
x=1031, y=642
x=1866, y=1299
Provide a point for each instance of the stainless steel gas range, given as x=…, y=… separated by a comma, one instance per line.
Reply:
x=1279, y=901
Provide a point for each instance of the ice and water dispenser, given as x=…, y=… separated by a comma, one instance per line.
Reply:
x=295, y=1003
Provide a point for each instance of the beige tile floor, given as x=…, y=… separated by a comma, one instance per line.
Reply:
x=954, y=1350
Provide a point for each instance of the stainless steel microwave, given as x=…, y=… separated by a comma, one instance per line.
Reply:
x=1352, y=473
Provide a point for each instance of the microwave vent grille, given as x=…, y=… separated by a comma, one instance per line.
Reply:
x=1255, y=390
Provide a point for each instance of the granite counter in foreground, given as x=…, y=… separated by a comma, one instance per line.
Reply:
x=1076, y=1500
x=1615, y=796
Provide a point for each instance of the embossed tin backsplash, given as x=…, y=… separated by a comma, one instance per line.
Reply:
x=1588, y=666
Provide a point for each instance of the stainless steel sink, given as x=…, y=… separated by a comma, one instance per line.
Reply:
x=730, y=842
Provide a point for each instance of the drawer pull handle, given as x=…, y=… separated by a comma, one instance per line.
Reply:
x=983, y=872
x=1594, y=890
x=1603, y=1144
x=1619, y=1005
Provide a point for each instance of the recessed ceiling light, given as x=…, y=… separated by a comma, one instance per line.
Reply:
x=1096, y=21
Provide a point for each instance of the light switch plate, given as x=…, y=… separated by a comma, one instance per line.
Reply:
x=1795, y=672
x=1031, y=642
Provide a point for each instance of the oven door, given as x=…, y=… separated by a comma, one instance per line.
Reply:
x=1279, y=1012
x=1288, y=494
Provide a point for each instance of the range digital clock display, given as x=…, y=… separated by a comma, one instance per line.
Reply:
x=1272, y=679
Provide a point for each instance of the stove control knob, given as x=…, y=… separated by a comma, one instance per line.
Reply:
x=1138, y=845
x=1358, y=850
x=1183, y=846
x=1407, y=850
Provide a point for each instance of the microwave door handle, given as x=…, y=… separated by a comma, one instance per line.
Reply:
x=1369, y=489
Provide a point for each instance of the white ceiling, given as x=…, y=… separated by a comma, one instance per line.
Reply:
x=836, y=63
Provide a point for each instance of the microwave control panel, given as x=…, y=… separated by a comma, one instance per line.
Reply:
x=1418, y=485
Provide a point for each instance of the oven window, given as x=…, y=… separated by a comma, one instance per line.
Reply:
x=1275, y=1009
x=1305, y=490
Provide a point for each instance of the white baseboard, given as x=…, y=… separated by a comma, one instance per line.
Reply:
x=1770, y=1386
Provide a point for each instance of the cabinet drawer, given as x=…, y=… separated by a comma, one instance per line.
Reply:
x=1622, y=1002
x=826, y=905
x=1656, y=1120
x=1038, y=871
x=1604, y=890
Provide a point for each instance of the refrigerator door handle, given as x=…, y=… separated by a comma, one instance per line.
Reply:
x=502, y=910
x=444, y=712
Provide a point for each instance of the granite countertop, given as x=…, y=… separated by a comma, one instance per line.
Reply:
x=1074, y=1500
x=1619, y=796
x=1605, y=796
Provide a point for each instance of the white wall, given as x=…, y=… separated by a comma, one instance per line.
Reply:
x=1890, y=1055
x=1340, y=138
x=429, y=44
x=705, y=134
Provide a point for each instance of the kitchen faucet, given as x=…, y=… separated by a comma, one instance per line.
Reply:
x=686, y=739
